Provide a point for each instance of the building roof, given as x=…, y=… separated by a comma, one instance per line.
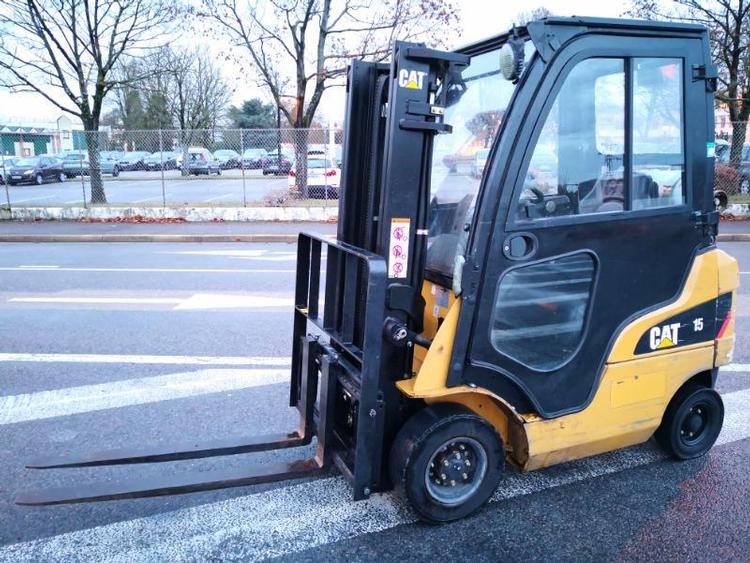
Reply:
x=20, y=130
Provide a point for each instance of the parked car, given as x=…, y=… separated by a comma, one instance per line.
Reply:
x=254, y=158
x=6, y=163
x=277, y=165
x=36, y=170
x=323, y=177
x=228, y=158
x=166, y=160
x=479, y=162
x=76, y=163
x=109, y=162
x=201, y=161
x=133, y=160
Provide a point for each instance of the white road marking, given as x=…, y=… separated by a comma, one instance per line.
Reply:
x=147, y=359
x=13, y=201
x=73, y=201
x=148, y=199
x=735, y=367
x=88, y=398
x=259, y=255
x=37, y=266
x=152, y=270
x=221, y=301
x=193, y=302
x=289, y=519
x=101, y=300
x=217, y=198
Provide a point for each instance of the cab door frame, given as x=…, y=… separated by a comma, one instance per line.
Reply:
x=473, y=361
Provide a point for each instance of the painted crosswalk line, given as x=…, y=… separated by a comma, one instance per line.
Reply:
x=147, y=359
x=196, y=301
x=297, y=517
x=129, y=392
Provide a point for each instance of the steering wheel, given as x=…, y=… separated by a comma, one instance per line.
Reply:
x=611, y=203
x=538, y=193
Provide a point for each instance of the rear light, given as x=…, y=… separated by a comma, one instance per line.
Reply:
x=331, y=173
x=292, y=174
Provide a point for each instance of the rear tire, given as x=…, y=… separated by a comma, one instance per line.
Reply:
x=463, y=447
x=115, y=172
x=691, y=423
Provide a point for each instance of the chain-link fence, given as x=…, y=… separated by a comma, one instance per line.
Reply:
x=220, y=167
x=732, y=164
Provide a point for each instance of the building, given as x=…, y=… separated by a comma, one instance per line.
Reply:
x=31, y=139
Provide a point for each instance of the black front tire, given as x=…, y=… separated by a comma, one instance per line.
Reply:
x=436, y=431
x=691, y=423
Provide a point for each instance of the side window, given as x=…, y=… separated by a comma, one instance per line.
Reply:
x=658, y=155
x=540, y=311
x=577, y=163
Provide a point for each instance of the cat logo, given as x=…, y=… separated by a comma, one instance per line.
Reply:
x=411, y=79
x=666, y=336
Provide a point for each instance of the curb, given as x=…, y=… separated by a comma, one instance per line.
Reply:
x=287, y=238
x=281, y=237
x=188, y=214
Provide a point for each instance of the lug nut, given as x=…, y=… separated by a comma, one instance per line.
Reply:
x=465, y=476
x=453, y=483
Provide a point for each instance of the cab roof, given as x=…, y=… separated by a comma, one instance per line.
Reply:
x=539, y=28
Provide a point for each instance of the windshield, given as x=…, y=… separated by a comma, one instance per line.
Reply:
x=475, y=118
x=27, y=162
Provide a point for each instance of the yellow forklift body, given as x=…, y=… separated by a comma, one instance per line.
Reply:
x=633, y=391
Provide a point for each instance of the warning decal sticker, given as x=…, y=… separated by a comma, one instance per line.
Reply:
x=399, y=248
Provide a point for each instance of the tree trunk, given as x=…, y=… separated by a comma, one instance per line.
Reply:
x=300, y=162
x=95, y=170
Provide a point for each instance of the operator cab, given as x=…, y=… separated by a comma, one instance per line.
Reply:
x=596, y=174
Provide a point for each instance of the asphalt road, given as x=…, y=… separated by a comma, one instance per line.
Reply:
x=80, y=325
x=145, y=188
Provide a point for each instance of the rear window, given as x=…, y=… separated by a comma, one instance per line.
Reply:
x=318, y=163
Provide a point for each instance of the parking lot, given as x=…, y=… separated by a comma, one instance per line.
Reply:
x=143, y=188
x=108, y=345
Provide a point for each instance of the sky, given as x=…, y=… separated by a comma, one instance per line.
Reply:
x=478, y=19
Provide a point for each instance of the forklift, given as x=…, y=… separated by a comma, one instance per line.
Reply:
x=560, y=299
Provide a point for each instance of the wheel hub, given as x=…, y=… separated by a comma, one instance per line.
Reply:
x=456, y=470
x=694, y=424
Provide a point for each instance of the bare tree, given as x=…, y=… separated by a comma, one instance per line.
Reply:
x=66, y=50
x=127, y=95
x=538, y=13
x=728, y=22
x=299, y=48
x=192, y=90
